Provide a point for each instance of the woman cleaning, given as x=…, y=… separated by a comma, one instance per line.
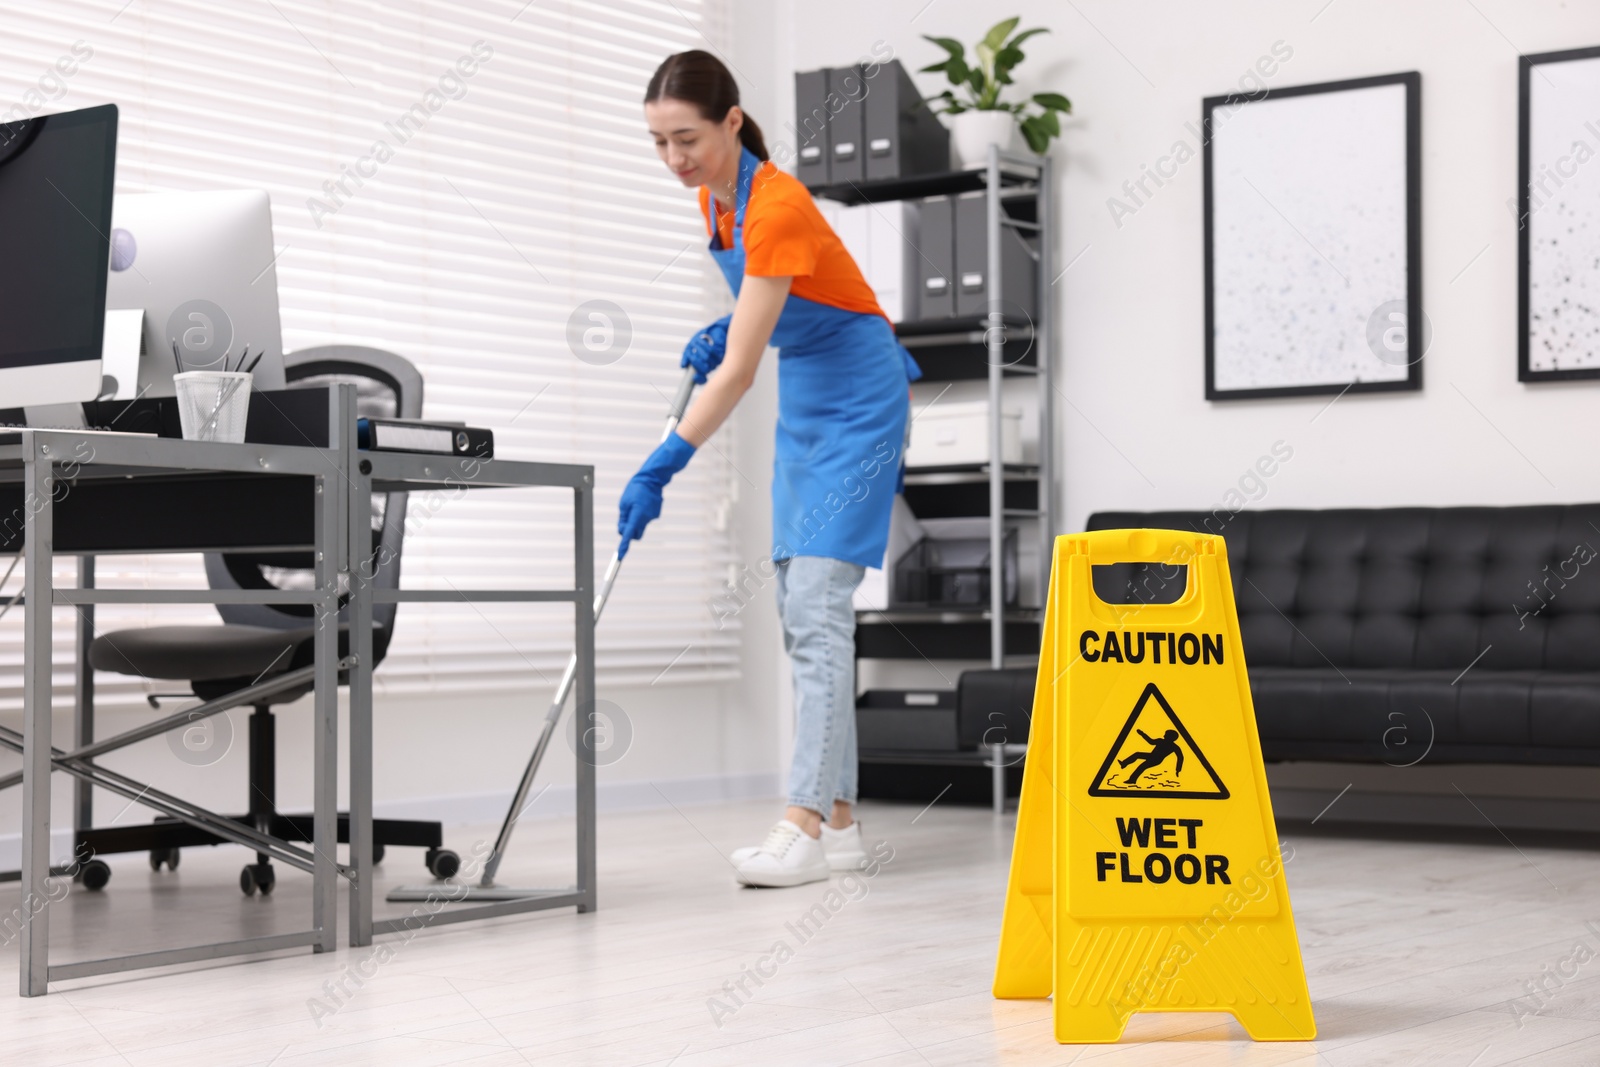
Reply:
x=842, y=410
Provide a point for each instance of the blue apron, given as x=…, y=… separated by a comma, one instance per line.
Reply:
x=842, y=412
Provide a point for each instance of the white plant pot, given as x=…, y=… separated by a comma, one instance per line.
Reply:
x=973, y=132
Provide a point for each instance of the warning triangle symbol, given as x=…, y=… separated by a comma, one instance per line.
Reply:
x=1154, y=756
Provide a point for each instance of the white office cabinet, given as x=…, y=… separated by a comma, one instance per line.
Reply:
x=891, y=233
x=953, y=432
x=879, y=238
x=854, y=227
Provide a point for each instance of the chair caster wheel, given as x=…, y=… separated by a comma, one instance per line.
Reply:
x=442, y=863
x=95, y=874
x=169, y=856
x=377, y=854
x=257, y=876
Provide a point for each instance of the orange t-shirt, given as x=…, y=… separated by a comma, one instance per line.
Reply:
x=786, y=236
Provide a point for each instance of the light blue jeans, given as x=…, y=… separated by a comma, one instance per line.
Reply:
x=819, y=627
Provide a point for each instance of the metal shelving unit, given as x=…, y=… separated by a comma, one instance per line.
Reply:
x=972, y=348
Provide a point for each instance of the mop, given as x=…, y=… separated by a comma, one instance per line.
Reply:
x=486, y=890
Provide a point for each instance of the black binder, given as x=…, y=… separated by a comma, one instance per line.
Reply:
x=1018, y=270
x=846, y=93
x=902, y=134
x=810, y=129
x=934, y=296
x=413, y=435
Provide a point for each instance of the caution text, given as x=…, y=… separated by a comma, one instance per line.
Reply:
x=1160, y=646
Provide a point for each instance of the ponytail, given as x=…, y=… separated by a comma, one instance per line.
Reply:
x=750, y=137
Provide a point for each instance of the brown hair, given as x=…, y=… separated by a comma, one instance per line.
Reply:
x=699, y=78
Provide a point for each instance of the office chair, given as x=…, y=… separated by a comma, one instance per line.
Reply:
x=258, y=641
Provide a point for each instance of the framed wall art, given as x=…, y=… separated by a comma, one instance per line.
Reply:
x=1558, y=216
x=1313, y=239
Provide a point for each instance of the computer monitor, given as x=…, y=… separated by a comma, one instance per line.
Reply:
x=202, y=267
x=56, y=177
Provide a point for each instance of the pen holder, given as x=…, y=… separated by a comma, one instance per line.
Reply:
x=212, y=405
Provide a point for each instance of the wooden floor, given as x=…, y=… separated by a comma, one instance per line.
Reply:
x=1415, y=954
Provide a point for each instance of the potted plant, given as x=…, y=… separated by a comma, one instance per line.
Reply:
x=982, y=117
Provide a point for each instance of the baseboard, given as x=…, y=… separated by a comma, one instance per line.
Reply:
x=1432, y=809
x=557, y=801
x=477, y=809
x=11, y=849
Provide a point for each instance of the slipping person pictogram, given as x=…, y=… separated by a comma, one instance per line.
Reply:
x=1160, y=748
x=1164, y=766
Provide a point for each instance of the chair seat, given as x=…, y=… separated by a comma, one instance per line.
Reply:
x=197, y=653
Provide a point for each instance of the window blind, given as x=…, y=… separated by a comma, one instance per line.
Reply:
x=471, y=186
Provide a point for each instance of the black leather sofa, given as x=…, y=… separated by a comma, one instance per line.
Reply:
x=1468, y=634
x=1402, y=635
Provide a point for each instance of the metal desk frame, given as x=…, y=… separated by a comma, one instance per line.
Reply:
x=38, y=456
x=384, y=472
x=344, y=488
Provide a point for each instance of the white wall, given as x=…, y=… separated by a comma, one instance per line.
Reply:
x=1134, y=429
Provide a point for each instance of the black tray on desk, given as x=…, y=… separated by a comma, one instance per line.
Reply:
x=276, y=416
x=104, y=512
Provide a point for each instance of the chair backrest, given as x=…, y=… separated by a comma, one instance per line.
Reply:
x=387, y=386
x=1413, y=588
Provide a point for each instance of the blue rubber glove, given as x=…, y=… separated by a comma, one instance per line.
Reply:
x=641, y=498
x=705, y=349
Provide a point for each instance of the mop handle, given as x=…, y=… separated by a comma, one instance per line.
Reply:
x=680, y=403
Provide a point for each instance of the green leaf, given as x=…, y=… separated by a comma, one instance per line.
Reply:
x=1008, y=57
x=1038, y=140
x=1024, y=35
x=1053, y=102
x=999, y=32
x=985, y=58
x=933, y=67
x=1049, y=123
x=1004, y=60
x=957, y=69
x=949, y=44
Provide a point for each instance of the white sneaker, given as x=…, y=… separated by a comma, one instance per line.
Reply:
x=843, y=847
x=789, y=856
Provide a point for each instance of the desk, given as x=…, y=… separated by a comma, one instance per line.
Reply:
x=107, y=472
x=55, y=467
x=401, y=472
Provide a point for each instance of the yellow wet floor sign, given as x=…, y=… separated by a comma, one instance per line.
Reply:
x=1146, y=874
